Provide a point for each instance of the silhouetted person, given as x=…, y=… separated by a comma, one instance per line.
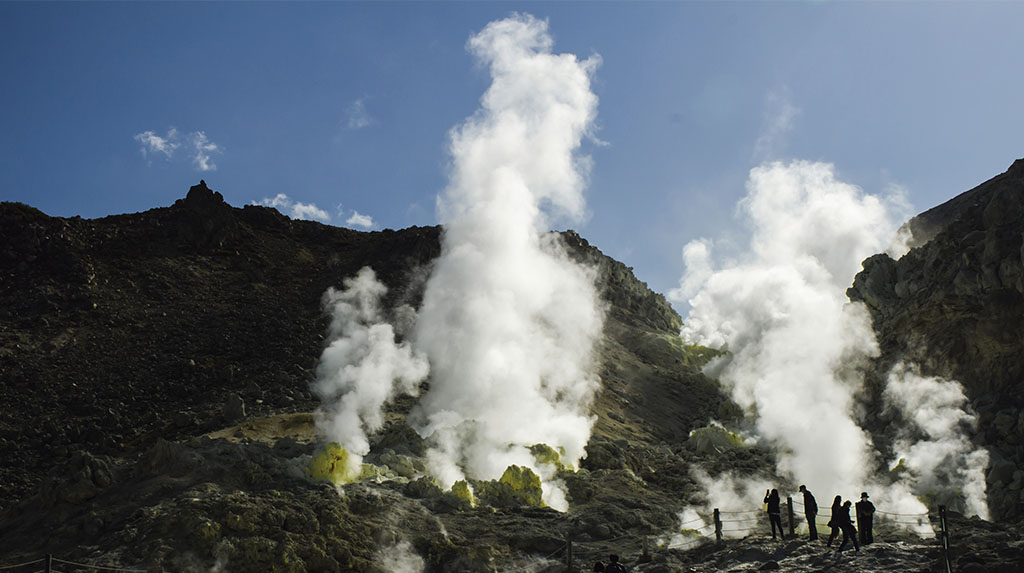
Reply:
x=865, y=515
x=774, y=512
x=849, y=533
x=599, y=567
x=811, y=512
x=614, y=566
x=833, y=521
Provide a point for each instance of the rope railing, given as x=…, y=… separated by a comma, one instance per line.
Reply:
x=99, y=567
x=737, y=512
x=25, y=564
x=48, y=562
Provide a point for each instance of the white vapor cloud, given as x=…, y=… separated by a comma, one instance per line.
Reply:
x=202, y=148
x=359, y=220
x=779, y=118
x=294, y=209
x=401, y=558
x=934, y=447
x=199, y=146
x=508, y=321
x=362, y=368
x=797, y=346
x=153, y=143
x=358, y=117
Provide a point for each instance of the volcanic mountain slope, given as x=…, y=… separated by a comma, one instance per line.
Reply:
x=155, y=371
x=955, y=305
x=130, y=343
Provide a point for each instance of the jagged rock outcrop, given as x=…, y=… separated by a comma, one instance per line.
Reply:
x=955, y=305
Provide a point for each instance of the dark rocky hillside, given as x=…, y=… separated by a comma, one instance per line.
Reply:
x=955, y=304
x=156, y=413
x=154, y=361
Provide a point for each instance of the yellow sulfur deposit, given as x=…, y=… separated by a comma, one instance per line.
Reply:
x=546, y=455
x=462, y=492
x=332, y=464
x=517, y=486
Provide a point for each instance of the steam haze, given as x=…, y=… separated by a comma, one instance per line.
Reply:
x=363, y=367
x=797, y=346
x=508, y=322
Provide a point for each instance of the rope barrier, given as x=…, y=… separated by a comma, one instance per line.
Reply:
x=72, y=563
x=101, y=567
x=737, y=512
x=687, y=544
x=562, y=548
x=21, y=564
x=903, y=514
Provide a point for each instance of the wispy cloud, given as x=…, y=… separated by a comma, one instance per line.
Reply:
x=202, y=148
x=359, y=220
x=153, y=143
x=196, y=142
x=358, y=117
x=779, y=119
x=294, y=209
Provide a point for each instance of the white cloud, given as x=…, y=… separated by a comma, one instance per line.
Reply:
x=153, y=143
x=295, y=210
x=359, y=220
x=309, y=212
x=202, y=148
x=197, y=143
x=358, y=117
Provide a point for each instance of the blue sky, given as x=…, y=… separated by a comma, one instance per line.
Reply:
x=347, y=106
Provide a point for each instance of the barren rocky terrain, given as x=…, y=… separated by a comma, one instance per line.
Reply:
x=155, y=371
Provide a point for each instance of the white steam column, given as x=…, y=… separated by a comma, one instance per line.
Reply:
x=509, y=322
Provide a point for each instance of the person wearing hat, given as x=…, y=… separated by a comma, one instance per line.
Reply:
x=865, y=514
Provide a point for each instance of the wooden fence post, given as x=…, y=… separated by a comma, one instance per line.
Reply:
x=792, y=520
x=568, y=553
x=945, y=537
x=49, y=563
x=718, y=526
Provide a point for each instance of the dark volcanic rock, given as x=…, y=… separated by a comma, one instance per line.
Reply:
x=127, y=341
x=955, y=304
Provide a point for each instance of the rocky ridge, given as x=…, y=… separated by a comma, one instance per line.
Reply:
x=955, y=305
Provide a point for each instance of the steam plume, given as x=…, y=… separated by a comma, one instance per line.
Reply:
x=797, y=345
x=362, y=367
x=508, y=320
x=935, y=448
x=795, y=342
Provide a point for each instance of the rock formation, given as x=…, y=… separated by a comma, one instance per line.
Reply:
x=955, y=305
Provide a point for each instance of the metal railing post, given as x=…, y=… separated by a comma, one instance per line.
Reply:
x=945, y=538
x=792, y=520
